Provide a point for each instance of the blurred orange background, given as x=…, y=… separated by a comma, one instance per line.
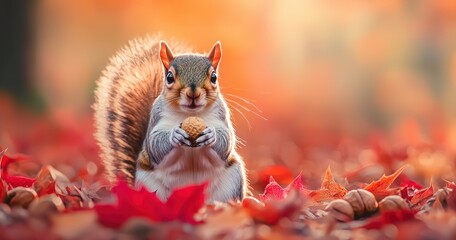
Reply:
x=336, y=81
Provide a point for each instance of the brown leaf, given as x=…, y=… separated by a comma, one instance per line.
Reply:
x=46, y=180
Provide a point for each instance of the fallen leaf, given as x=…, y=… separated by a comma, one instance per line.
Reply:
x=281, y=174
x=182, y=205
x=330, y=189
x=13, y=181
x=95, y=191
x=381, y=188
x=71, y=202
x=406, y=182
x=273, y=191
x=420, y=197
x=45, y=182
x=408, y=192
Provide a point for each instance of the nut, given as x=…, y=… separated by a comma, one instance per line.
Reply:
x=46, y=205
x=393, y=202
x=193, y=126
x=21, y=196
x=341, y=210
x=47, y=178
x=362, y=201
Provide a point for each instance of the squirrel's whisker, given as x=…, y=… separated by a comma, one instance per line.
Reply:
x=246, y=108
x=242, y=114
x=244, y=100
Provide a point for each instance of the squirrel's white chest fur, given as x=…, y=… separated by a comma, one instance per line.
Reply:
x=184, y=165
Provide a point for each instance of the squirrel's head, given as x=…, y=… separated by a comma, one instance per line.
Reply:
x=190, y=80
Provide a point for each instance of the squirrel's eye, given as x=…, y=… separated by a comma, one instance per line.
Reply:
x=213, y=77
x=169, y=78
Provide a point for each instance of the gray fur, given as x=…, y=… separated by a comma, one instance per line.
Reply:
x=222, y=144
x=231, y=184
x=157, y=142
x=240, y=191
x=192, y=69
x=158, y=145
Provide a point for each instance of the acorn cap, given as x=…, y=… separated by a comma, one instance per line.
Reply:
x=193, y=126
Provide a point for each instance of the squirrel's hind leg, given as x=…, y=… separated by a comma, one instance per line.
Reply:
x=230, y=184
x=149, y=180
x=145, y=177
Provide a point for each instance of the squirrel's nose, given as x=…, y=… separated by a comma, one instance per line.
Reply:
x=193, y=95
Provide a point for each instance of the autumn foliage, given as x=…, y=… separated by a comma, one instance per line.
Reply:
x=120, y=209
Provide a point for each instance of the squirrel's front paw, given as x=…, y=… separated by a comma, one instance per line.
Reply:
x=179, y=137
x=206, y=138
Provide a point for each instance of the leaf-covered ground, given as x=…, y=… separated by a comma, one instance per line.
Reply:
x=58, y=192
x=51, y=206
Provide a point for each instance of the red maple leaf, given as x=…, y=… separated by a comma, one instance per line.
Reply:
x=13, y=181
x=420, y=196
x=273, y=191
x=417, y=197
x=329, y=189
x=381, y=188
x=408, y=192
x=406, y=182
x=281, y=174
x=182, y=205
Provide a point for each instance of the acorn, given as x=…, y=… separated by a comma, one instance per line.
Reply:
x=193, y=126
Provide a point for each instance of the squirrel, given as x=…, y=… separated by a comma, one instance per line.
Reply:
x=142, y=97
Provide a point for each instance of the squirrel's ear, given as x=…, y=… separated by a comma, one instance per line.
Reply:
x=215, y=54
x=166, y=55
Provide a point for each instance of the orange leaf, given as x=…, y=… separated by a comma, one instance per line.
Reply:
x=381, y=188
x=329, y=189
x=422, y=195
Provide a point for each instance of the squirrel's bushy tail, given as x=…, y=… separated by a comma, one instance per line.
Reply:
x=123, y=99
